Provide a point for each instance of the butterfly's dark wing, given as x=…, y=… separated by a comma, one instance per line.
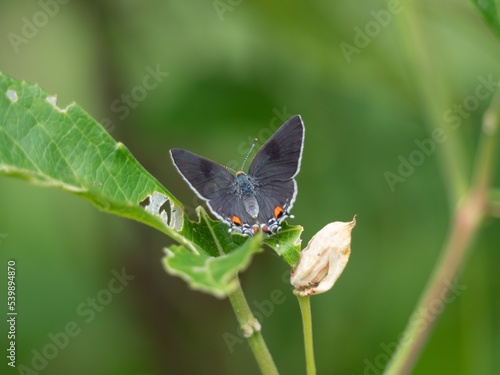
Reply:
x=229, y=207
x=273, y=170
x=214, y=184
x=272, y=197
x=206, y=178
x=271, y=176
x=279, y=158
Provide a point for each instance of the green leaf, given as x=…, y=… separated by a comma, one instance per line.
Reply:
x=212, y=236
x=488, y=10
x=68, y=149
x=213, y=275
x=288, y=243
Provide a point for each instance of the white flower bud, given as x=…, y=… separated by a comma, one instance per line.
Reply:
x=323, y=260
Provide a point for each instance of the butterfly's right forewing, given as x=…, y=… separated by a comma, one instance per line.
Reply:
x=208, y=179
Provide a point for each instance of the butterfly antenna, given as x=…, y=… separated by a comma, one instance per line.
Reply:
x=249, y=152
x=230, y=169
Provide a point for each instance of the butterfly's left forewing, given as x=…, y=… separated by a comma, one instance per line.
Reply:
x=279, y=158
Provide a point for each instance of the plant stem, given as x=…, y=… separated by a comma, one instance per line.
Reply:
x=248, y=323
x=465, y=223
x=251, y=329
x=495, y=203
x=467, y=219
x=305, y=310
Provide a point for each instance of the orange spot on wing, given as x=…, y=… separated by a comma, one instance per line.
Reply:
x=266, y=230
x=255, y=229
x=278, y=212
x=236, y=221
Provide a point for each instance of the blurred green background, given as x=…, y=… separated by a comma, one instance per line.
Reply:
x=237, y=70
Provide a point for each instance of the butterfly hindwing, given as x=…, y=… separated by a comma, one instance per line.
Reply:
x=273, y=198
x=230, y=208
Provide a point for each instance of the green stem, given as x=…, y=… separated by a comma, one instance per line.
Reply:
x=248, y=323
x=467, y=219
x=305, y=310
x=251, y=329
x=495, y=203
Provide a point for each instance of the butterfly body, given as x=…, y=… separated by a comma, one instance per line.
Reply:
x=246, y=190
x=258, y=200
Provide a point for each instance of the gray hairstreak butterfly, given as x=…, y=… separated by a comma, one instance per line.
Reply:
x=258, y=200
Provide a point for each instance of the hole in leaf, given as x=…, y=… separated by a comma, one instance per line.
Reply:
x=158, y=204
x=53, y=101
x=145, y=202
x=165, y=208
x=12, y=95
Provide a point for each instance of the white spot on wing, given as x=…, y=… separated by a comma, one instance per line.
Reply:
x=12, y=95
